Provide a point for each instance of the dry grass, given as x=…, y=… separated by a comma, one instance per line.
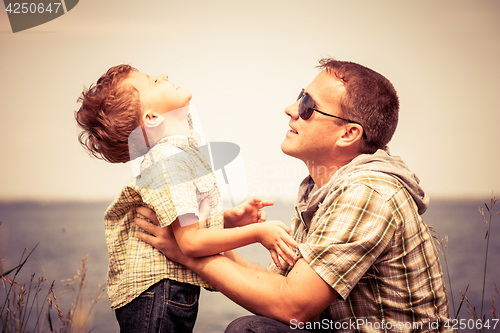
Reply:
x=472, y=311
x=34, y=307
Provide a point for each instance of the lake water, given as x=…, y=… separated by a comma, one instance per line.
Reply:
x=66, y=231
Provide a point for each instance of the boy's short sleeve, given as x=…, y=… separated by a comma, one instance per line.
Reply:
x=174, y=184
x=182, y=177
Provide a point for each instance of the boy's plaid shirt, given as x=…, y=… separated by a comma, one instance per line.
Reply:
x=175, y=177
x=368, y=242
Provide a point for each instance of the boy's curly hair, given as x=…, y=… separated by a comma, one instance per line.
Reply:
x=109, y=114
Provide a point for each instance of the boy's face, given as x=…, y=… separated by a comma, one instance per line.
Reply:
x=157, y=93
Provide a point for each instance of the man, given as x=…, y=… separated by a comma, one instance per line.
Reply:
x=366, y=259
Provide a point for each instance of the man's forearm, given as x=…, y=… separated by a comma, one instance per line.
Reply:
x=257, y=290
x=234, y=256
x=301, y=295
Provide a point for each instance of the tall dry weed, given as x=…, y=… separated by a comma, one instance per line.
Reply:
x=478, y=317
x=29, y=307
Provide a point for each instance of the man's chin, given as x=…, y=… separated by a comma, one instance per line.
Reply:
x=283, y=148
x=286, y=150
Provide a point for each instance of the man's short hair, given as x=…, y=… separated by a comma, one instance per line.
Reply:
x=109, y=113
x=370, y=99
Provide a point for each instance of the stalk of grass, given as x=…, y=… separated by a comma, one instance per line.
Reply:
x=443, y=247
x=78, y=316
x=25, y=313
x=463, y=294
x=17, y=269
x=471, y=308
x=487, y=236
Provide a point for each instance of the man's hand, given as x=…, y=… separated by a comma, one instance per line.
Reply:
x=247, y=213
x=161, y=238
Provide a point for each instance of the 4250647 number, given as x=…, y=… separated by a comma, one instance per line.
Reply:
x=471, y=324
x=32, y=7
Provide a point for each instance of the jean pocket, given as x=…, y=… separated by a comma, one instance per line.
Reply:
x=136, y=316
x=183, y=295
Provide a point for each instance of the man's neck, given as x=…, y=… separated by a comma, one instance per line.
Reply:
x=322, y=171
x=321, y=174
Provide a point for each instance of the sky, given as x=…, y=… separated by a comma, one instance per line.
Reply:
x=245, y=62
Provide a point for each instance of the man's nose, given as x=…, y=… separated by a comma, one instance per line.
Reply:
x=293, y=110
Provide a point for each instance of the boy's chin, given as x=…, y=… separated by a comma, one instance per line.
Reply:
x=187, y=93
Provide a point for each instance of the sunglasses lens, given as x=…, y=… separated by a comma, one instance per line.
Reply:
x=306, y=106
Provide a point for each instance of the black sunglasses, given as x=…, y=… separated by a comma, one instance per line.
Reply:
x=306, y=109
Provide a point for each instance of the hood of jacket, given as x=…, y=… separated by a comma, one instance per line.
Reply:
x=381, y=161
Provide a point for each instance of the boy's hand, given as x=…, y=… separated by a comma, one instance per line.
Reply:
x=247, y=213
x=275, y=236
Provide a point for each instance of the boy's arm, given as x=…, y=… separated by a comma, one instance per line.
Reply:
x=197, y=242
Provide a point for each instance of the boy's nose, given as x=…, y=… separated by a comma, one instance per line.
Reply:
x=163, y=77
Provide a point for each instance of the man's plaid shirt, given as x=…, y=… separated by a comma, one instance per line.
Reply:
x=368, y=242
x=174, y=178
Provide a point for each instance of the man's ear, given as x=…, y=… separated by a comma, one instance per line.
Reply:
x=351, y=135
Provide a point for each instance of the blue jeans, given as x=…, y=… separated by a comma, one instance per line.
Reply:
x=260, y=324
x=166, y=307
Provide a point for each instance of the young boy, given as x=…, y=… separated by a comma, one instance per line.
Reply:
x=127, y=114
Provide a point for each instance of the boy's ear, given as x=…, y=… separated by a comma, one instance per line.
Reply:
x=150, y=118
x=153, y=127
